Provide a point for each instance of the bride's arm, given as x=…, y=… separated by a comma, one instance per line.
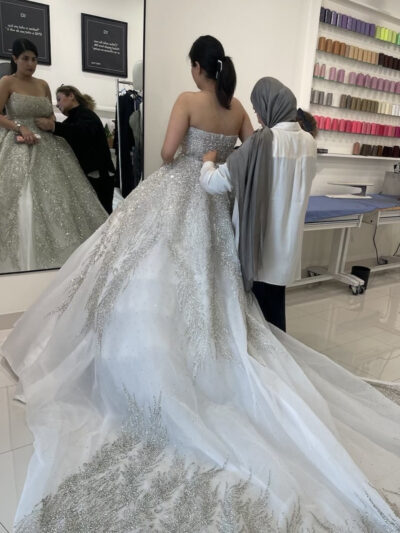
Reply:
x=246, y=129
x=5, y=91
x=179, y=122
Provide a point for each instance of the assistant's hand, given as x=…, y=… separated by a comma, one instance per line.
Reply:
x=45, y=124
x=29, y=137
x=210, y=156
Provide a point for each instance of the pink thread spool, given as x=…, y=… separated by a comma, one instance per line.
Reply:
x=360, y=80
x=332, y=73
x=352, y=78
x=367, y=81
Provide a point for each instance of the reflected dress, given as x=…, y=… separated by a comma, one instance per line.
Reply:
x=47, y=206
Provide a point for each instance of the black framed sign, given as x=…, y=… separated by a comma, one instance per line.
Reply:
x=28, y=20
x=104, y=46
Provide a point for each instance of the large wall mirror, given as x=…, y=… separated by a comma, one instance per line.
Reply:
x=51, y=196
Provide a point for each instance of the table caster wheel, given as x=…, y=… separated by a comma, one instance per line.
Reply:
x=359, y=289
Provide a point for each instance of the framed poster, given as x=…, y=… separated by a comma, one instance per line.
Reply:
x=104, y=46
x=20, y=19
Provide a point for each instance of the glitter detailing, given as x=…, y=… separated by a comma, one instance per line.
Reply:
x=171, y=210
x=140, y=482
x=47, y=206
x=391, y=391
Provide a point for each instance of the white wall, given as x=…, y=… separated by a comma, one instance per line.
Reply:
x=66, y=50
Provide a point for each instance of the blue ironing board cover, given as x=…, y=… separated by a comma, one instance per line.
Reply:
x=322, y=208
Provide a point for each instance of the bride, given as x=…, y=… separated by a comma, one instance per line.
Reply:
x=160, y=399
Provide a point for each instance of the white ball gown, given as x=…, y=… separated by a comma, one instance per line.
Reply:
x=160, y=400
x=47, y=206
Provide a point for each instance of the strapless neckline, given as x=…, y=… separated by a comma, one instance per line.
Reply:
x=27, y=95
x=212, y=133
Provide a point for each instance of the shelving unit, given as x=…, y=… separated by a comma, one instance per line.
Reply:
x=353, y=85
x=349, y=64
x=376, y=65
x=346, y=31
x=357, y=110
x=365, y=157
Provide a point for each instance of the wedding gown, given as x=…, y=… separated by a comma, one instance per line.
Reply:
x=47, y=206
x=160, y=400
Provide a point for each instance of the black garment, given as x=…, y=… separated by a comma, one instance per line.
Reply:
x=271, y=299
x=126, y=177
x=84, y=131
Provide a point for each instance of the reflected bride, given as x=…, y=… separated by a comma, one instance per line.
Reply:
x=160, y=399
x=47, y=207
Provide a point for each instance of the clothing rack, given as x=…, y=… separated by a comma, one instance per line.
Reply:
x=118, y=85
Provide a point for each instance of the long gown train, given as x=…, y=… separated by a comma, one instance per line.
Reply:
x=160, y=400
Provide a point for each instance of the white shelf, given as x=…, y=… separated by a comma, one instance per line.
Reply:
x=350, y=156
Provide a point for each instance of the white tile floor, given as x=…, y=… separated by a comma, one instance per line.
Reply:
x=362, y=333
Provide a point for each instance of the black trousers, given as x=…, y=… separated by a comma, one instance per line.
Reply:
x=271, y=299
x=104, y=188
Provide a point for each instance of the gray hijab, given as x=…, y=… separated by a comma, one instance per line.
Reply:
x=250, y=168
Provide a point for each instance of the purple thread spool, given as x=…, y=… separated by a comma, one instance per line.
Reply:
x=340, y=76
x=360, y=80
x=352, y=78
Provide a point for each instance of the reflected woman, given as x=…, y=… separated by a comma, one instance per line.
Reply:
x=84, y=132
x=47, y=207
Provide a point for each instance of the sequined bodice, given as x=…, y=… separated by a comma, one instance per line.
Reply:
x=197, y=142
x=23, y=106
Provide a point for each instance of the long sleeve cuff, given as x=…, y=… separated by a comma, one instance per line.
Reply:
x=215, y=180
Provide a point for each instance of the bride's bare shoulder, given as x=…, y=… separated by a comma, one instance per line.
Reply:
x=237, y=104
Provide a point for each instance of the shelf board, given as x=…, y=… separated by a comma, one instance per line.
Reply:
x=356, y=110
x=356, y=60
x=350, y=156
x=358, y=86
x=346, y=30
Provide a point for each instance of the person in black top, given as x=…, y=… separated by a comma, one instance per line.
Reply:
x=84, y=131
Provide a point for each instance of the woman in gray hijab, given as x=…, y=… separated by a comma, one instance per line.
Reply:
x=271, y=176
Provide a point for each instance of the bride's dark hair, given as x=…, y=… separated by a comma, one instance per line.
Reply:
x=209, y=53
x=19, y=46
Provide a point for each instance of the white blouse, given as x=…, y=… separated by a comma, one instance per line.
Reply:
x=294, y=165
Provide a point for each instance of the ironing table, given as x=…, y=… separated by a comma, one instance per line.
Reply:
x=341, y=215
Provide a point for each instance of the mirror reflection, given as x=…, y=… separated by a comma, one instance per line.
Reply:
x=70, y=148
